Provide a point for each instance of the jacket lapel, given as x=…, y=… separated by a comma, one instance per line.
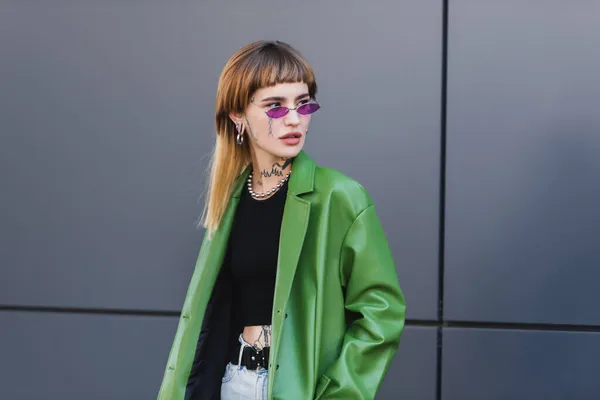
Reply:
x=293, y=230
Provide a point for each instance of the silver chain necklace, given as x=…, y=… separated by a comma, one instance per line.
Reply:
x=268, y=192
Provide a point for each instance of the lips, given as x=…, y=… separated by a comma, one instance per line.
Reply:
x=292, y=135
x=291, y=138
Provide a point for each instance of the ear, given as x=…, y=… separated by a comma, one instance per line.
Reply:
x=235, y=117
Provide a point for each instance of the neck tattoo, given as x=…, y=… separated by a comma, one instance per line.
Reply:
x=276, y=169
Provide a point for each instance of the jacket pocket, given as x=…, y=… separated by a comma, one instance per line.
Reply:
x=322, y=384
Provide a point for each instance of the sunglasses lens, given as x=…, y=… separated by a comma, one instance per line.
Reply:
x=308, y=108
x=277, y=112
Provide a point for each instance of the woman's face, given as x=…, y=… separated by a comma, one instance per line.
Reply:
x=281, y=137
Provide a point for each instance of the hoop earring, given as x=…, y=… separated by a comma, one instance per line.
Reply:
x=239, y=139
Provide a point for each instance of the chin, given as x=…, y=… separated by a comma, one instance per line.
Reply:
x=291, y=151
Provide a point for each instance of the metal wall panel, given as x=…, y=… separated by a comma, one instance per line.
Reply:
x=520, y=365
x=77, y=356
x=523, y=138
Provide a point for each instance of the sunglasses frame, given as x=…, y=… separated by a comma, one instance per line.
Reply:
x=311, y=101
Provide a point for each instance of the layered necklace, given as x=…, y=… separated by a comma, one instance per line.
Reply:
x=268, y=192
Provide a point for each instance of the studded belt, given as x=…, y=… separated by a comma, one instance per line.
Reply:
x=252, y=358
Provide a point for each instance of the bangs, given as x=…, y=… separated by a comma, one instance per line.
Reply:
x=276, y=64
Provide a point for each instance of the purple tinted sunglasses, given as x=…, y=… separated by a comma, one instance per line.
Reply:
x=303, y=109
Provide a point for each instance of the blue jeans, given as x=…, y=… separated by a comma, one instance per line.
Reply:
x=239, y=382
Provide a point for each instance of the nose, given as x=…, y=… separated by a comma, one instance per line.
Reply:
x=292, y=118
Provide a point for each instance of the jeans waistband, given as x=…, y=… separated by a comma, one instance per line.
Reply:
x=243, y=344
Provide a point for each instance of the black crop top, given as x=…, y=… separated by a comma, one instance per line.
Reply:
x=252, y=256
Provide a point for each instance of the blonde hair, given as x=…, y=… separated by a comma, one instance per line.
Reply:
x=257, y=65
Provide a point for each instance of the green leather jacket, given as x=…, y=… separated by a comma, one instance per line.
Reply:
x=338, y=310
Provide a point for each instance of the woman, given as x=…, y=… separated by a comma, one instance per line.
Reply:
x=295, y=293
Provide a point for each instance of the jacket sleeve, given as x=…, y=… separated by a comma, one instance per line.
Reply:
x=373, y=296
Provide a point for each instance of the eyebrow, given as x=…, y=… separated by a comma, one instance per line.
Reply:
x=279, y=98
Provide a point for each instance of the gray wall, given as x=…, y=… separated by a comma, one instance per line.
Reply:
x=473, y=124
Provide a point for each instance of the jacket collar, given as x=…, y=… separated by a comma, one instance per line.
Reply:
x=301, y=181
